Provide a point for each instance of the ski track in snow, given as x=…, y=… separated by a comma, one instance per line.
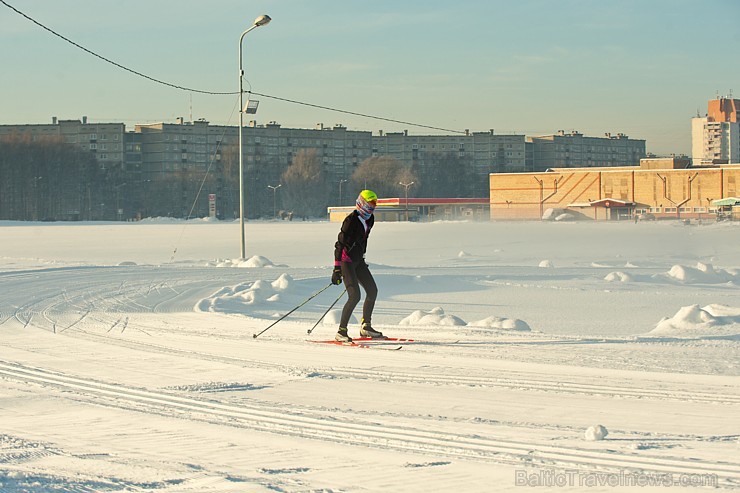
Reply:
x=304, y=425
x=147, y=312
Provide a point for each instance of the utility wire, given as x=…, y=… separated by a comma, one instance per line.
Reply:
x=351, y=112
x=216, y=93
x=107, y=59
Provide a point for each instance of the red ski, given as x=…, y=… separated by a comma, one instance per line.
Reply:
x=380, y=339
x=389, y=344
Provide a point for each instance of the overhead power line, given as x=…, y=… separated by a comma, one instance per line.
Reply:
x=108, y=60
x=216, y=93
x=350, y=112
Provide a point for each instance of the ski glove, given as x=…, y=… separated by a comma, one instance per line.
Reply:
x=336, y=275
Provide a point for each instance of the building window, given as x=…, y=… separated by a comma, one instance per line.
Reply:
x=93, y=146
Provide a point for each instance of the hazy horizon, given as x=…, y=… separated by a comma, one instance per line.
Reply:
x=533, y=68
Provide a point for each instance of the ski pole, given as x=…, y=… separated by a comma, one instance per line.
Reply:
x=327, y=311
x=294, y=309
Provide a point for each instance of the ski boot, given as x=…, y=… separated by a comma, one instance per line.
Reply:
x=342, y=335
x=368, y=331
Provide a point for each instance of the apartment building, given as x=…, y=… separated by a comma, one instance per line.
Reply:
x=106, y=141
x=573, y=149
x=490, y=152
x=715, y=138
x=194, y=145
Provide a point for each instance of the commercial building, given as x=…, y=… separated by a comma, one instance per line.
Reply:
x=715, y=138
x=658, y=188
x=421, y=209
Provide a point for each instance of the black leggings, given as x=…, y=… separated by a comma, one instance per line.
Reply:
x=355, y=275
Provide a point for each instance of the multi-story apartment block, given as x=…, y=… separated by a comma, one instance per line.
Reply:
x=169, y=147
x=106, y=141
x=490, y=153
x=158, y=168
x=715, y=138
x=574, y=150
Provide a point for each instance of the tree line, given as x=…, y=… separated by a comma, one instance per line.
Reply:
x=49, y=179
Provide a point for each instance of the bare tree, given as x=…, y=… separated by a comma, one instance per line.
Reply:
x=382, y=175
x=46, y=178
x=448, y=175
x=305, y=185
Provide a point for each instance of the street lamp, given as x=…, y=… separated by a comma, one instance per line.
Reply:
x=119, y=211
x=259, y=21
x=406, y=186
x=274, y=206
x=340, y=190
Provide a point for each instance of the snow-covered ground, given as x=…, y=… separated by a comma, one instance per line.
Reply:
x=571, y=356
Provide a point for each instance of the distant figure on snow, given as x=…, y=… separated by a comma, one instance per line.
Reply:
x=349, y=264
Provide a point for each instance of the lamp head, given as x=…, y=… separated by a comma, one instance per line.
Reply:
x=262, y=20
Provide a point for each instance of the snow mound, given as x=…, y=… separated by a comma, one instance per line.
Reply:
x=463, y=254
x=546, y=264
x=255, y=261
x=502, y=324
x=702, y=274
x=334, y=316
x=566, y=216
x=618, y=277
x=694, y=321
x=236, y=299
x=596, y=433
x=436, y=316
x=599, y=264
x=283, y=282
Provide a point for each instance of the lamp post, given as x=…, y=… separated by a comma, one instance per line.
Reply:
x=274, y=202
x=406, y=186
x=340, y=190
x=259, y=21
x=119, y=211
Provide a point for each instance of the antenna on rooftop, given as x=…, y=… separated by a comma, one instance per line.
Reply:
x=191, y=106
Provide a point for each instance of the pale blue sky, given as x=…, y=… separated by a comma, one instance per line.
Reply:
x=641, y=67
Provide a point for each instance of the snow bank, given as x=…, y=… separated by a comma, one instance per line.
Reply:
x=546, y=264
x=702, y=274
x=334, y=316
x=236, y=299
x=256, y=261
x=436, y=316
x=502, y=324
x=693, y=321
x=618, y=277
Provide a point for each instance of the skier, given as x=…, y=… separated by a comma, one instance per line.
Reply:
x=349, y=264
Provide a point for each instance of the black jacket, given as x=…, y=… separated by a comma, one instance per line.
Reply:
x=352, y=237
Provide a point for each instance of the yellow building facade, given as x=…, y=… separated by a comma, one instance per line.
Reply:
x=658, y=188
